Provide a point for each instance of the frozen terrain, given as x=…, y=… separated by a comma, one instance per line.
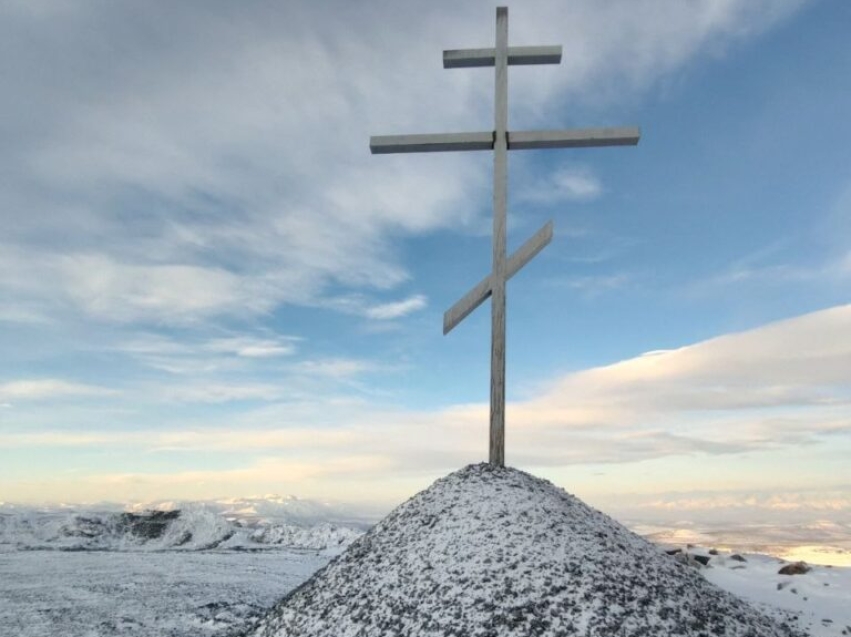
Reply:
x=191, y=527
x=151, y=594
x=60, y=577
x=490, y=551
x=183, y=569
x=818, y=602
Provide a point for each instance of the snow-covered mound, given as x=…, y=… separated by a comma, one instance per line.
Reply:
x=489, y=551
x=191, y=528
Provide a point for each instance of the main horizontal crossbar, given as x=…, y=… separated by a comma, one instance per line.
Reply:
x=470, y=58
x=475, y=297
x=521, y=140
x=383, y=144
x=577, y=138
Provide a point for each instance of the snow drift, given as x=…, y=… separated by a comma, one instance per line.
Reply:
x=495, y=552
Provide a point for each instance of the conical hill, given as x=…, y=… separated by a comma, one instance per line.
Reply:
x=495, y=552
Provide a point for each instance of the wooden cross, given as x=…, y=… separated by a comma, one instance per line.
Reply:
x=501, y=140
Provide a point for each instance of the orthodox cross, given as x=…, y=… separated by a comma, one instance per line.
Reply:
x=501, y=140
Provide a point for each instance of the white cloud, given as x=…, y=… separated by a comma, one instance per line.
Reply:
x=335, y=367
x=246, y=347
x=565, y=184
x=215, y=166
x=22, y=315
x=48, y=389
x=199, y=356
x=579, y=186
x=398, y=309
x=780, y=386
x=751, y=271
x=718, y=396
x=800, y=362
x=359, y=305
x=171, y=293
x=228, y=172
x=593, y=285
x=212, y=392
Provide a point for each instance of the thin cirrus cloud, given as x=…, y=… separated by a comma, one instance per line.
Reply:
x=214, y=166
x=360, y=305
x=714, y=397
x=245, y=347
x=296, y=381
x=211, y=137
x=211, y=392
x=103, y=287
x=48, y=389
x=806, y=511
x=335, y=367
x=191, y=356
x=397, y=309
x=566, y=184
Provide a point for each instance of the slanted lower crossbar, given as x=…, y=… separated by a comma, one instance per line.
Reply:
x=482, y=290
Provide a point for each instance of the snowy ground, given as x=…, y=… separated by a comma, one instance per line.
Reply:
x=164, y=594
x=819, y=602
x=90, y=574
x=219, y=593
x=204, y=570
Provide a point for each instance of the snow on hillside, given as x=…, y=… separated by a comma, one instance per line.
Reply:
x=154, y=587
x=491, y=551
x=193, y=527
x=816, y=599
x=145, y=594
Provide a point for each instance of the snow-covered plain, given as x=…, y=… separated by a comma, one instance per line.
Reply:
x=202, y=569
x=186, y=527
x=151, y=594
x=72, y=573
x=818, y=602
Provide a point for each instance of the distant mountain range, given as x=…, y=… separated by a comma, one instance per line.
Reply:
x=244, y=524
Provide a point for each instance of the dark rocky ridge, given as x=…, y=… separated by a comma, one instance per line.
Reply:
x=490, y=552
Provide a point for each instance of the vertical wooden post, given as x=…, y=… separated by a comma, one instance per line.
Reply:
x=493, y=285
x=500, y=193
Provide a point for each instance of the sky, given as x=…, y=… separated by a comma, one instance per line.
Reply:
x=209, y=288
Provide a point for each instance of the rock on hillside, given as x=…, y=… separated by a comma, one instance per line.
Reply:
x=490, y=552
